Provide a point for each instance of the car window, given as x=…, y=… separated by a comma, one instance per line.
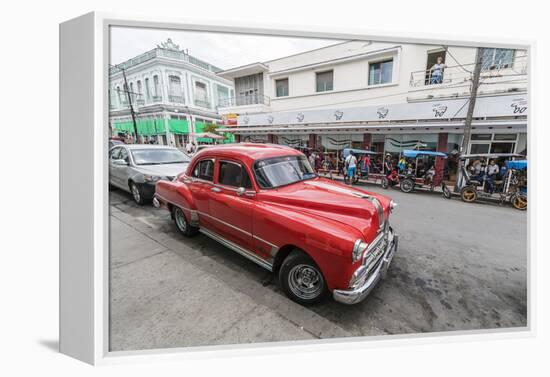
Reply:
x=233, y=174
x=114, y=153
x=123, y=154
x=204, y=170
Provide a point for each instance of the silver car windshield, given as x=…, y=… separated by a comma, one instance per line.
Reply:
x=158, y=156
x=281, y=171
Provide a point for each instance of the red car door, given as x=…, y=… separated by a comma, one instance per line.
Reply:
x=202, y=181
x=232, y=201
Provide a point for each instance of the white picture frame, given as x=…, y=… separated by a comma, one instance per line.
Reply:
x=84, y=216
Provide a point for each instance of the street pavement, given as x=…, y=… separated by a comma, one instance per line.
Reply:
x=459, y=267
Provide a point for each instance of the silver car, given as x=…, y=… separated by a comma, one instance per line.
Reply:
x=136, y=168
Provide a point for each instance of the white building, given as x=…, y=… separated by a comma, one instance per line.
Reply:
x=174, y=95
x=381, y=96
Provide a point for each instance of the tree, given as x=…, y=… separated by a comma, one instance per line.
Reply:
x=211, y=127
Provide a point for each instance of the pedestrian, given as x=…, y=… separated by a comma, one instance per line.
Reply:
x=388, y=166
x=311, y=159
x=492, y=171
x=189, y=147
x=351, y=163
x=402, y=164
x=436, y=72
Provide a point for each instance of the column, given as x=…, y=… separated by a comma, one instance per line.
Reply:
x=367, y=140
x=237, y=138
x=312, y=143
x=441, y=147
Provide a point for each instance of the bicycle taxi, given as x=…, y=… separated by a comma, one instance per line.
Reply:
x=425, y=174
x=510, y=187
x=369, y=172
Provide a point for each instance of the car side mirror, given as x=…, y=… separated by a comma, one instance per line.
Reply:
x=120, y=162
x=241, y=191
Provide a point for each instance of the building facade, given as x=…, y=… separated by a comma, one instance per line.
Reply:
x=174, y=96
x=381, y=96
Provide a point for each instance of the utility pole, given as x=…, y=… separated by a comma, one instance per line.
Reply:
x=472, y=103
x=470, y=113
x=128, y=95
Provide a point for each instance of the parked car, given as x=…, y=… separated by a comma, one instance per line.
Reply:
x=137, y=168
x=266, y=203
x=113, y=142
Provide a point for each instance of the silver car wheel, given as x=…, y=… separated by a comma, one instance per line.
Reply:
x=135, y=193
x=181, y=222
x=305, y=281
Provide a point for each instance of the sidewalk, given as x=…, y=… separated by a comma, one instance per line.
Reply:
x=164, y=293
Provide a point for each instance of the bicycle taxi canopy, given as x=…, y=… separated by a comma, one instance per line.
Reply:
x=491, y=155
x=517, y=164
x=346, y=151
x=409, y=153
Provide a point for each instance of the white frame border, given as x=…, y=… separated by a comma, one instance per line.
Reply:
x=100, y=212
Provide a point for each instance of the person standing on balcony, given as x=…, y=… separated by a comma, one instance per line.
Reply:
x=436, y=72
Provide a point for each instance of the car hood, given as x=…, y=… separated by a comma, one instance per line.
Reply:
x=164, y=170
x=362, y=210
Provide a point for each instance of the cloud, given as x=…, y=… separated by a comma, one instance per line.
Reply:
x=225, y=50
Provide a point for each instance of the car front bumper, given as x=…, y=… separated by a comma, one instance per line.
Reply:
x=353, y=296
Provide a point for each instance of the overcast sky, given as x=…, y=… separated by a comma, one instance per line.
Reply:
x=225, y=50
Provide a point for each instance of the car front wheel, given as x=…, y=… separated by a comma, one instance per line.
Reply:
x=137, y=193
x=301, y=279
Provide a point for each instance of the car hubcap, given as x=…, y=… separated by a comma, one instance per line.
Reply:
x=305, y=281
x=135, y=193
x=180, y=220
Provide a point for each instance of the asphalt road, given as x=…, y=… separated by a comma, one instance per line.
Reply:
x=459, y=267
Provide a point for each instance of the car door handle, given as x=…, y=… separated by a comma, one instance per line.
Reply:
x=216, y=189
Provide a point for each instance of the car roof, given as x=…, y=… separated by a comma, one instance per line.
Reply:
x=148, y=146
x=248, y=152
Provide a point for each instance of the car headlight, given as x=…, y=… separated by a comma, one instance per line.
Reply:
x=151, y=178
x=393, y=205
x=358, y=249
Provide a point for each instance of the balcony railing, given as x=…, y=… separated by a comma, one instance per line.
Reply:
x=140, y=102
x=156, y=98
x=463, y=73
x=175, y=99
x=202, y=103
x=253, y=99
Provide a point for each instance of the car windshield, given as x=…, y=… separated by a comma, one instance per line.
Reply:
x=158, y=156
x=281, y=171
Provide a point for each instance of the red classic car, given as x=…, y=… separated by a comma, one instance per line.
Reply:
x=266, y=203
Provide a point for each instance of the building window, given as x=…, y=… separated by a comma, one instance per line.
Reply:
x=223, y=95
x=156, y=88
x=147, y=90
x=380, y=72
x=174, y=89
x=139, y=92
x=281, y=87
x=324, y=81
x=496, y=58
x=201, y=94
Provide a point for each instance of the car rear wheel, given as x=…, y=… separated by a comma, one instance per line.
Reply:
x=137, y=193
x=301, y=279
x=182, y=224
x=407, y=185
x=468, y=194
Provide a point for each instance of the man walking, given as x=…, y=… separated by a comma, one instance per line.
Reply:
x=351, y=162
